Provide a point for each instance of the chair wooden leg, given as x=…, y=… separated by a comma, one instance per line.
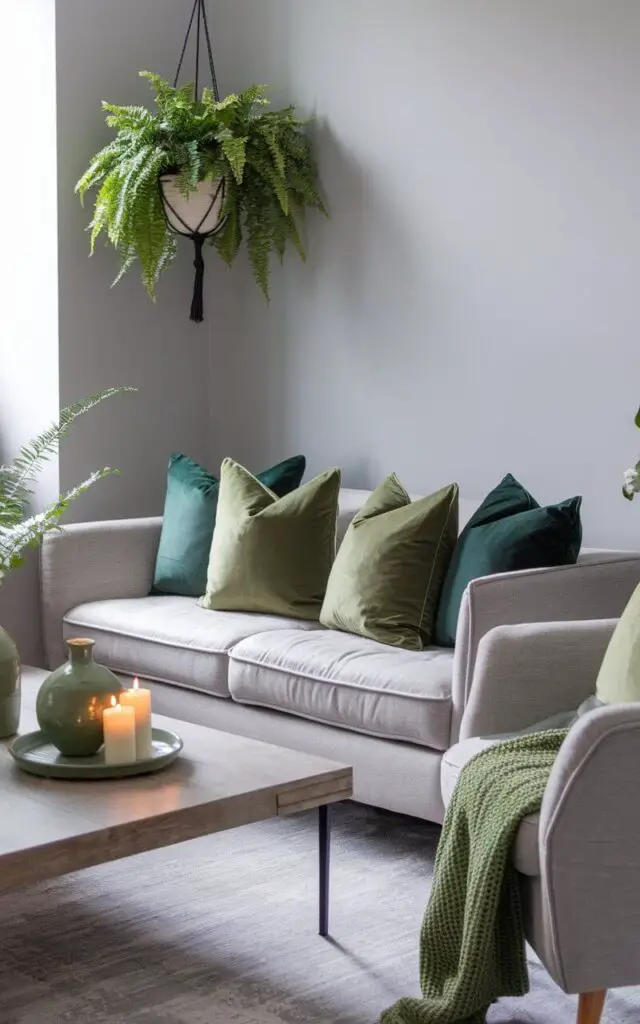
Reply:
x=590, y=1007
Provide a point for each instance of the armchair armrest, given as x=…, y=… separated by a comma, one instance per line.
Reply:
x=93, y=562
x=526, y=673
x=597, y=587
x=589, y=841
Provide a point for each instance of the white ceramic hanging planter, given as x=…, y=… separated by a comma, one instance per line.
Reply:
x=199, y=213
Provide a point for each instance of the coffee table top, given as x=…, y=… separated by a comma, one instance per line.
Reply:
x=51, y=827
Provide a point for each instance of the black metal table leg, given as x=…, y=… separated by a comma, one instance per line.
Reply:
x=324, y=850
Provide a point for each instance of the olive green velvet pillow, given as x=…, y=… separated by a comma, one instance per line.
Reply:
x=619, y=675
x=386, y=579
x=189, y=517
x=271, y=554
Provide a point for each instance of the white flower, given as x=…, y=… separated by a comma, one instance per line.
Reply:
x=632, y=480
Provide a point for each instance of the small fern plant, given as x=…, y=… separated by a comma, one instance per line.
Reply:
x=263, y=155
x=631, y=477
x=20, y=530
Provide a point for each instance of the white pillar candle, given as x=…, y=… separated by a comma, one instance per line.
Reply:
x=139, y=699
x=119, y=724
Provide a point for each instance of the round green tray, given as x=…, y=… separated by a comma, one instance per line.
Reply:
x=34, y=754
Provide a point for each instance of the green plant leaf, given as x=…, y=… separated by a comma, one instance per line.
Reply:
x=29, y=532
x=235, y=151
x=18, y=529
x=229, y=239
x=189, y=175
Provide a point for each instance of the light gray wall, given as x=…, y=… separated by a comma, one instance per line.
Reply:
x=118, y=336
x=29, y=297
x=20, y=612
x=472, y=306
x=29, y=305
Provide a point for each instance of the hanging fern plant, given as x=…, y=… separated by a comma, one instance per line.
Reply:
x=260, y=158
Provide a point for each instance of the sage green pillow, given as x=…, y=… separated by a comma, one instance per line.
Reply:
x=619, y=675
x=189, y=517
x=271, y=554
x=387, y=576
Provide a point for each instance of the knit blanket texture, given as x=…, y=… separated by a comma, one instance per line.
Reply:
x=472, y=946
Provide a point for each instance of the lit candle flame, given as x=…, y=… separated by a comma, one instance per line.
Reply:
x=114, y=702
x=136, y=683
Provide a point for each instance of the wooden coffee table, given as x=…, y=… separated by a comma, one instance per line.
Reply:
x=51, y=827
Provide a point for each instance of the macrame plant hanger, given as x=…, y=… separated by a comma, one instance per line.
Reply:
x=198, y=216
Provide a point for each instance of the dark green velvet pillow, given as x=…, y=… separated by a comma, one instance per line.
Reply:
x=189, y=518
x=510, y=531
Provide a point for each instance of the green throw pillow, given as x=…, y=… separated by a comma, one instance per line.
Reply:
x=272, y=554
x=510, y=531
x=189, y=518
x=619, y=675
x=387, y=576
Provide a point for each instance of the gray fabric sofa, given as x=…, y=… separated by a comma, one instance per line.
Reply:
x=388, y=712
x=578, y=858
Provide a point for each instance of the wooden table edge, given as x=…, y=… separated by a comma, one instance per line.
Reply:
x=115, y=842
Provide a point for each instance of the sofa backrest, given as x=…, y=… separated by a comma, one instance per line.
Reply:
x=352, y=499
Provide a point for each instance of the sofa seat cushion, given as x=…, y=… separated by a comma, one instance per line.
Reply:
x=525, y=851
x=169, y=639
x=347, y=681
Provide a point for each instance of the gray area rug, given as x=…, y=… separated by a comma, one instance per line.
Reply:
x=223, y=931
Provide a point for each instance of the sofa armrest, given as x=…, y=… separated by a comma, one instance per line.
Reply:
x=597, y=587
x=93, y=562
x=524, y=674
x=589, y=842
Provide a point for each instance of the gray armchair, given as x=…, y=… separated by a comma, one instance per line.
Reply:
x=579, y=858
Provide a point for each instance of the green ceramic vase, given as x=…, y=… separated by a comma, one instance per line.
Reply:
x=71, y=701
x=9, y=686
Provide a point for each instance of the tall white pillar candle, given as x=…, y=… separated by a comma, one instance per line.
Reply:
x=139, y=699
x=119, y=724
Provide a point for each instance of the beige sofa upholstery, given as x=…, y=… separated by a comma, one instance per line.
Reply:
x=391, y=713
x=578, y=858
x=348, y=681
x=171, y=639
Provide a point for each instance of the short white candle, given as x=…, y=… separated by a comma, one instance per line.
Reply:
x=139, y=699
x=119, y=724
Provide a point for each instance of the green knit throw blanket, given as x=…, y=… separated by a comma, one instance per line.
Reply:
x=472, y=948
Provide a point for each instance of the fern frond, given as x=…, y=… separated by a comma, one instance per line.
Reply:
x=128, y=257
x=270, y=136
x=252, y=97
x=100, y=166
x=17, y=480
x=154, y=242
x=259, y=235
x=164, y=92
x=229, y=240
x=293, y=233
x=263, y=165
x=133, y=168
x=235, y=150
x=304, y=187
x=189, y=175
x=29, y=533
